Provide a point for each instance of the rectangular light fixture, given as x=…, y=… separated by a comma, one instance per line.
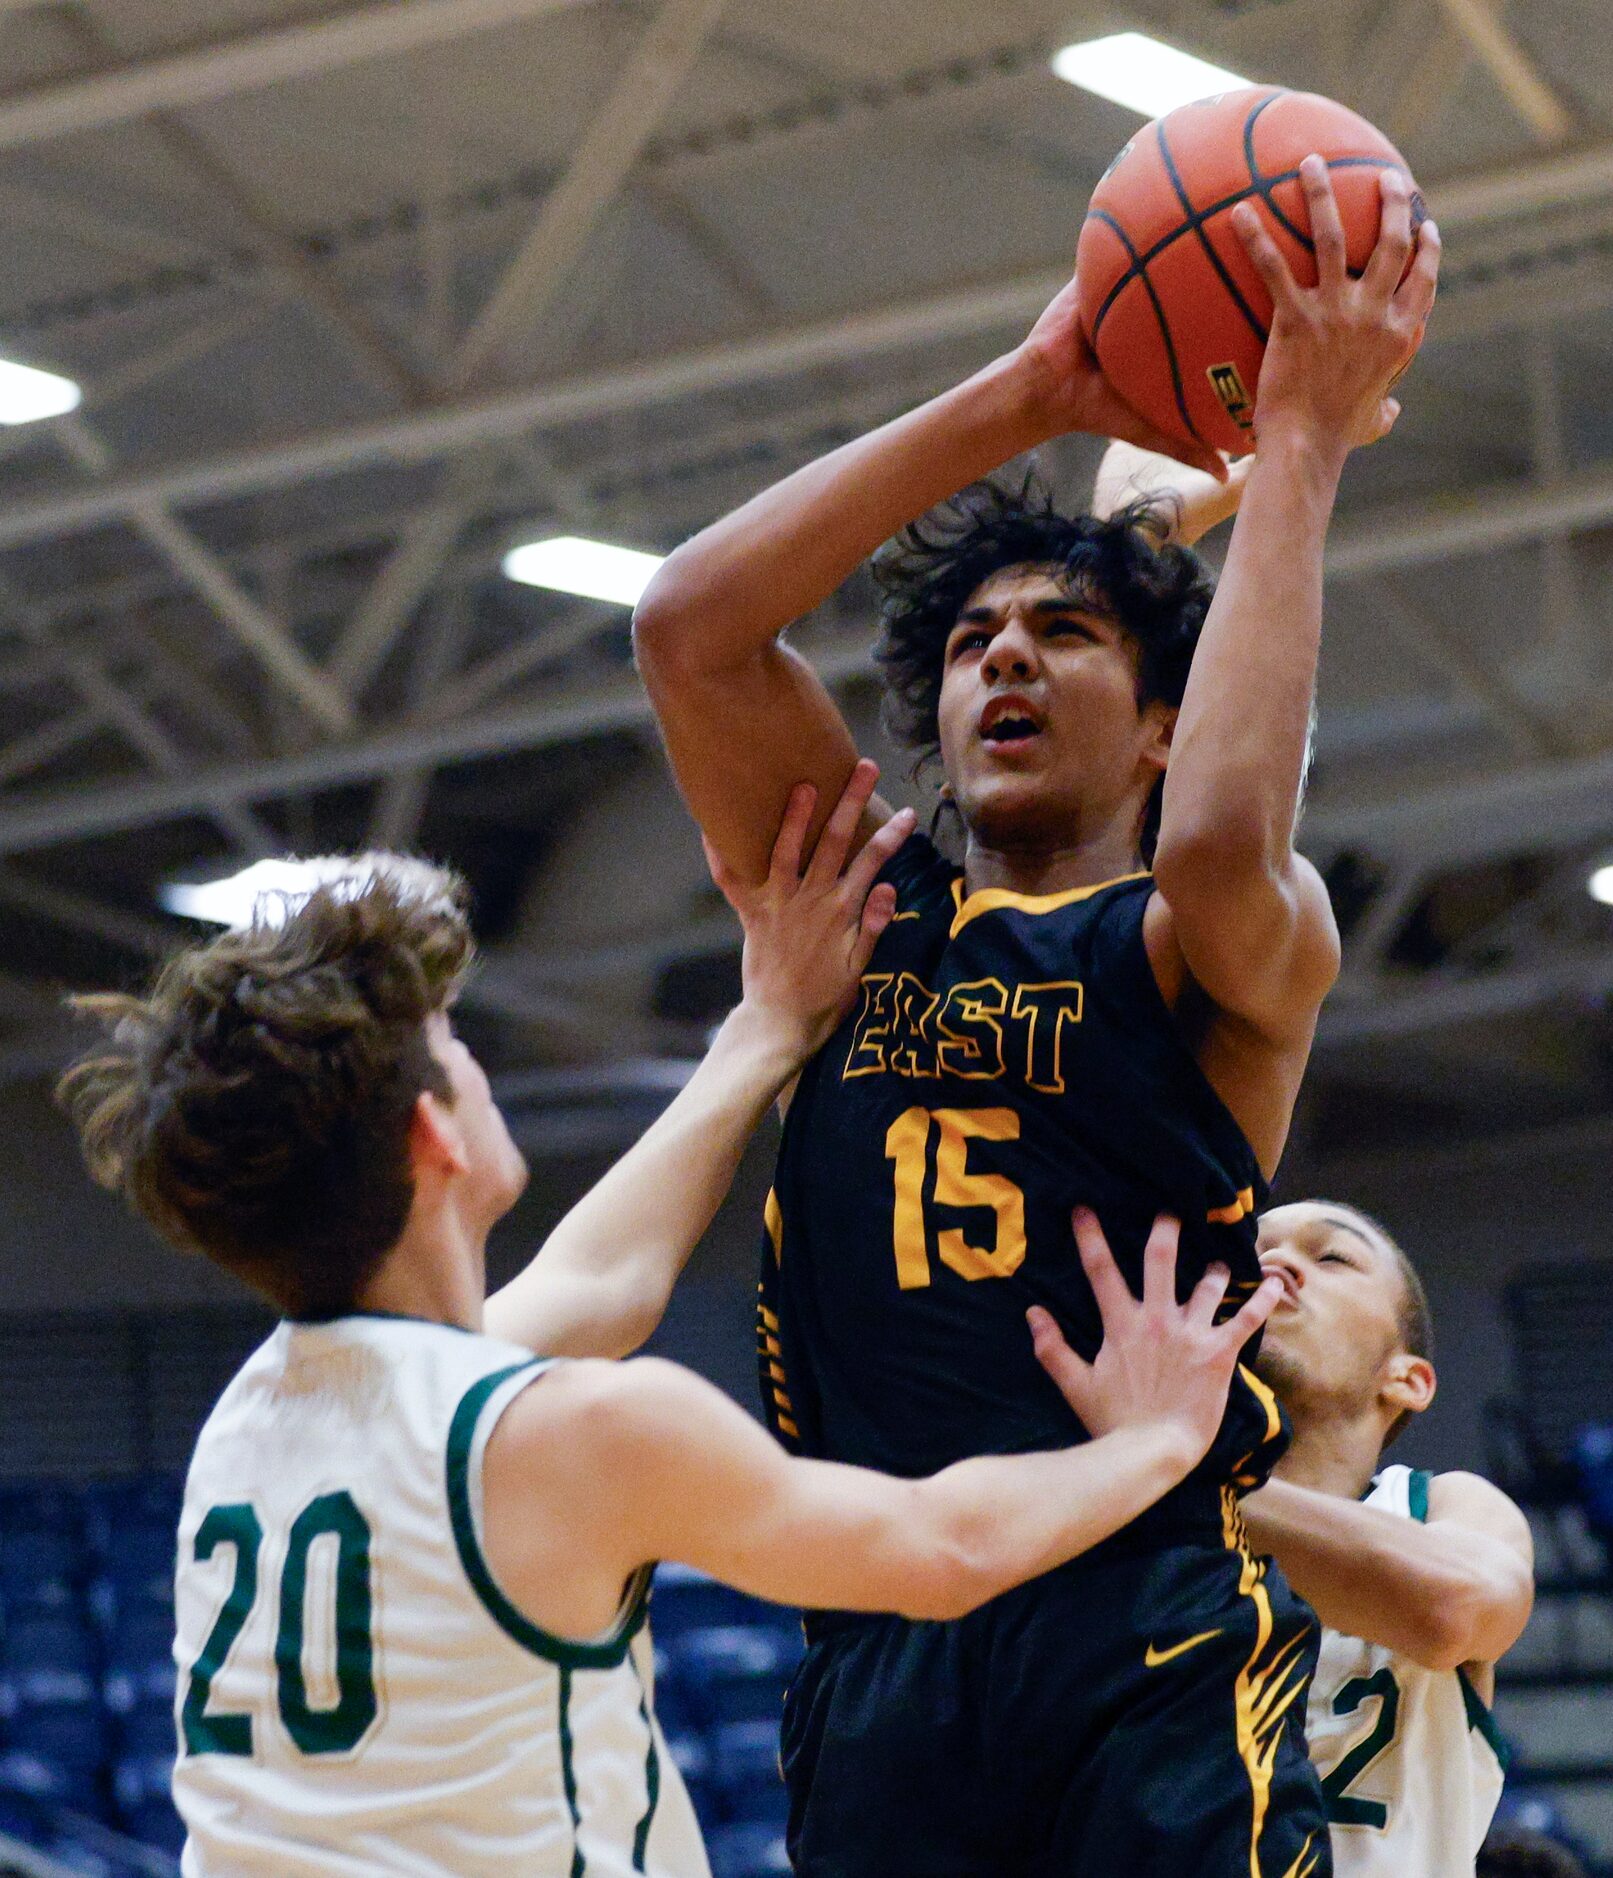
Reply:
x=1141, y=73
x=596, y=570
x=27, y=396
x=1601, y=885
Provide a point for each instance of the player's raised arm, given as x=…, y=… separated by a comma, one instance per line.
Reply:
x=601, y=1282
x=1453, y=1591
x=1251, y=920
x=1184, y=503
x=745, y=717
x=645, y=1461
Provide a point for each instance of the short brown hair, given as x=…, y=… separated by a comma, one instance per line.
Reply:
x=255, y=1107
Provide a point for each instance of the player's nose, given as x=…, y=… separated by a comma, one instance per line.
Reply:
x=1280, y=1264
x=1011, y=654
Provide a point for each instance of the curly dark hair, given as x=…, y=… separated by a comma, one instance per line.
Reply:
x=1159, y=595
x=255, y=1106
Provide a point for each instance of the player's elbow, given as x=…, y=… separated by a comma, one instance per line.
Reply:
x=1471, y=1614
x=956, y=1565
x=667, y=637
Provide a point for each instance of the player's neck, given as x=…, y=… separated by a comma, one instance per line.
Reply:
x=1332, y=1454
x=1037, y=869
x=436, y=1272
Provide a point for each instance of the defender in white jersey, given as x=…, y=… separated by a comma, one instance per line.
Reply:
x=1422, y=1582
x=413, y=1555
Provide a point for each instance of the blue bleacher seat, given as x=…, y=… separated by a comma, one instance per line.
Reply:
x=1593, y=1462
x=734, y=1672
x=48, y=1784
x=748, y=1851
x=148, y=1729
x=140, y=1659
x=744, y=1760
x=685, y=1599
x=33, y=1506
x=39, y=1570
x=693, y=1760
x=142, y=1785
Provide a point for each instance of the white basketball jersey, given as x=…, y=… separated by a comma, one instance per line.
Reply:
x=356, y=1695
x=1411, y=1762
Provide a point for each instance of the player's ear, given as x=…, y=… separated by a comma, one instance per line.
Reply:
x=1159, y=722
x=435, y=1141
x=1408, y=1384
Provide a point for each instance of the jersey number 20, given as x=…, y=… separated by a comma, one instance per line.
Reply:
x=314, y=1730
x=907, y=1143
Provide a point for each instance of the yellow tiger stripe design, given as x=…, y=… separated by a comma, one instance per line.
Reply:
x=1265, y=1691
x=773, y=1217
x=1307, y=1861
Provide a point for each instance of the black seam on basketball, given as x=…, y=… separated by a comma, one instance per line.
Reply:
x=1196, y=223
x=1209, y=215
x=1265, y=186
x=1141, y=273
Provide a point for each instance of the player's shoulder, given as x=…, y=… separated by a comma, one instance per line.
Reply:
x=592, y=1407
x=1469, y=1499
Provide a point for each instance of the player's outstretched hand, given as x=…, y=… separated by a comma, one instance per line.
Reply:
x=809, y=932
x=1160, y=1362
x=1072, y=393
x=1337, y=348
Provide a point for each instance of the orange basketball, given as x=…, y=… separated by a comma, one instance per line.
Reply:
x=1170, y=302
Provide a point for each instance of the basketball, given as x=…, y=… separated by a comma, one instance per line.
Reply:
x=1169, y=300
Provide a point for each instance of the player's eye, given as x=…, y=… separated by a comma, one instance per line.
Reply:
x=971, y=640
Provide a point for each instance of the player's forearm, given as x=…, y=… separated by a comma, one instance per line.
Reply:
x=1427, y=1591
x=1238, y=753
x=638, y=1226
x=1186, y=503
x=989, y=1524
x=725, y=595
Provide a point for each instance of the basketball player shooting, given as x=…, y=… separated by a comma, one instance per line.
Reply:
x=1050, y=1025
x=403, y=1639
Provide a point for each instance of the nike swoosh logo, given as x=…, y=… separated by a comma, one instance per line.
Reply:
x=1154, y=1657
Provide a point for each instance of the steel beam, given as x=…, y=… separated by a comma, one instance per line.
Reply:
x=1481, y=817
x=612, y=144
x=251, y=61
x=1440, y=1003
x=1520, y=79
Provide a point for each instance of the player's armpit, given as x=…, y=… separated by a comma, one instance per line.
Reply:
x=1260, y=945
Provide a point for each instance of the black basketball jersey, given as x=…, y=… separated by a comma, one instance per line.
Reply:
x=1008, y=1058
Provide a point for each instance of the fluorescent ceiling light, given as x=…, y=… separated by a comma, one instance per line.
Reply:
x=594, y=569
x=267, y=891
x=27, y=396
x=1141, y=73
x=1601, y=885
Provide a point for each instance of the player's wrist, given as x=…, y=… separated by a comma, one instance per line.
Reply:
x=1168, y=1447
x=773, y=1037
x=1305, y=443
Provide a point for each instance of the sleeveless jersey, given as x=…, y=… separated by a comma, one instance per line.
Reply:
x=356, y=1695
x=1411, y=1762
x=1008, y=1057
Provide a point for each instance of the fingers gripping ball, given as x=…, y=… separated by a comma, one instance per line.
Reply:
x=1169, y=301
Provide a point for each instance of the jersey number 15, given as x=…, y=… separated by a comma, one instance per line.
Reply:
x=907, y=1143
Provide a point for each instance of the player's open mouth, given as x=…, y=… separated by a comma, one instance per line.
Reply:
x=1009, y=720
